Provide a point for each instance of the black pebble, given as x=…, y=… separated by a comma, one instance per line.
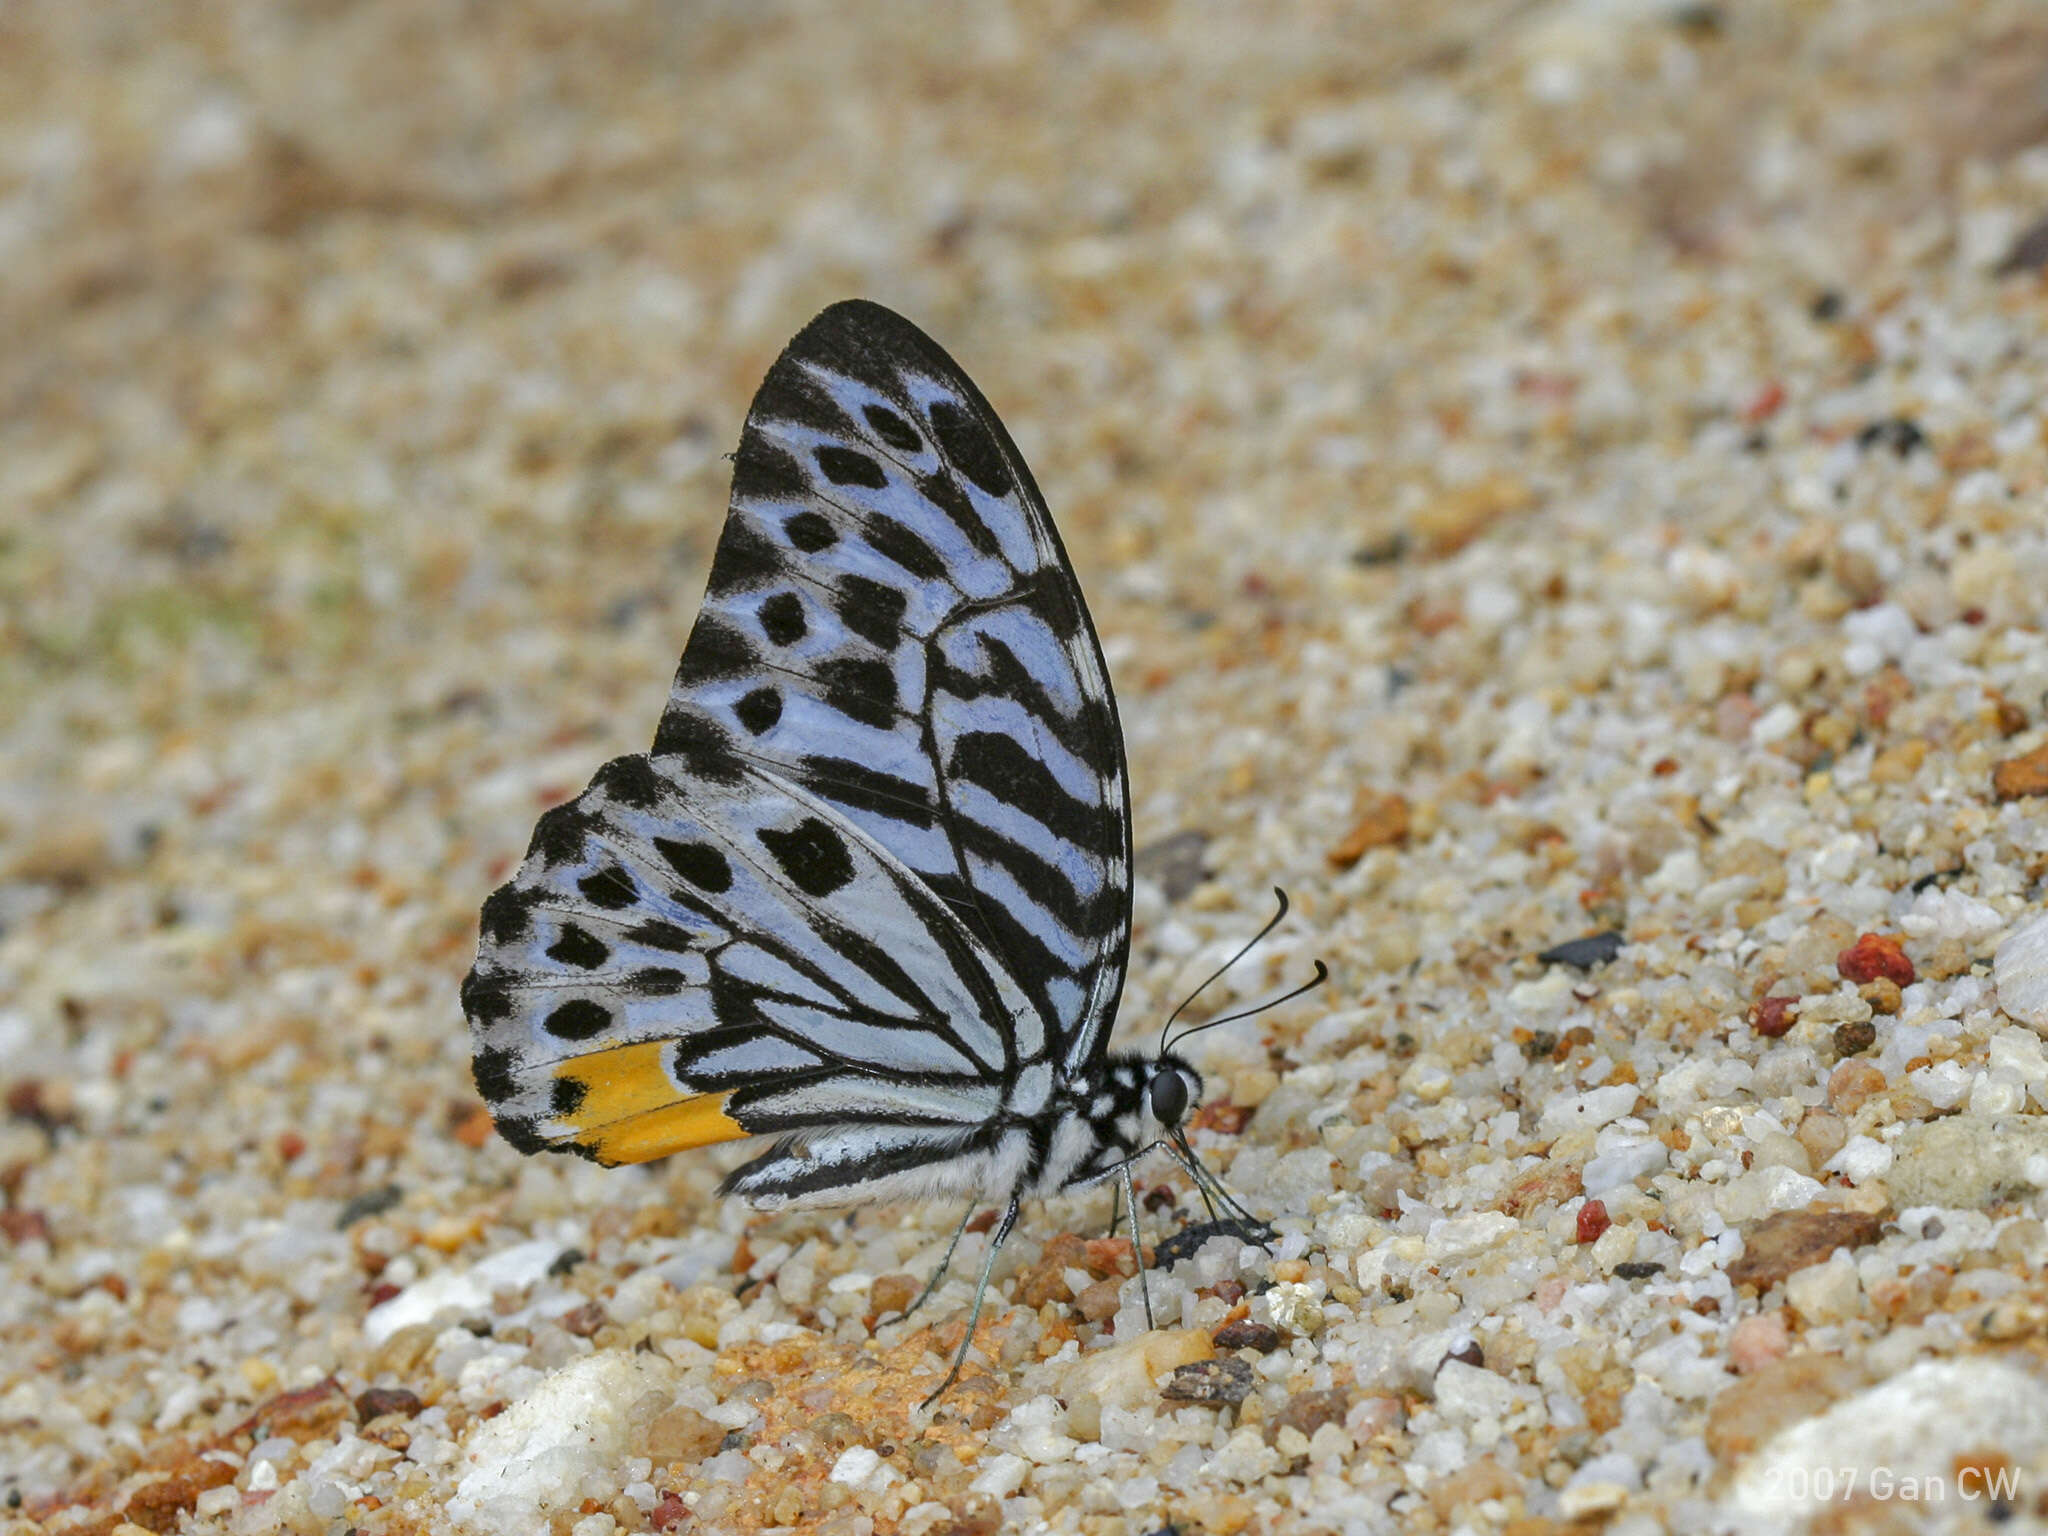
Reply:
x=1584, y=954
x=2029, y=253
x=1186, y=1243
x=1901, y=434
x=371, y=1202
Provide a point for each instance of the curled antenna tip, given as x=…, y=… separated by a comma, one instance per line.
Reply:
x=1322, y=975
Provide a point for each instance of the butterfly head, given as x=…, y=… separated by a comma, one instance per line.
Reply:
x=1172, y=1088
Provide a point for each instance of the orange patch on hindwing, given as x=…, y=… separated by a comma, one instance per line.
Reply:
x=625, y=1108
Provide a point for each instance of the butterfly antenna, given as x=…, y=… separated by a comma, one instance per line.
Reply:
x=1166, y=1030
x=1322, y=975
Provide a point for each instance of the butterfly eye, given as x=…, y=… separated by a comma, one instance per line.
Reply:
x=1169, y=1094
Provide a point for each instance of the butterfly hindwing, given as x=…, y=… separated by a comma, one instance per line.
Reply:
x=675, y=964
x=891, y=623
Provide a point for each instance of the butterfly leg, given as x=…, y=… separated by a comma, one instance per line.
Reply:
x=988, y=1265
x=945, y=1262
x=1207, y=1183
x=1138, y=1244
x=1201, y=1186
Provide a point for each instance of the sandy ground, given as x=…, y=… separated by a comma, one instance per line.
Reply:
x=1542, y=472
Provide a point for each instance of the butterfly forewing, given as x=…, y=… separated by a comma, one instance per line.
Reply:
x=891, y=622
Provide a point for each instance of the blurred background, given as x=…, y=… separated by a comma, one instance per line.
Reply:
x=393, y=341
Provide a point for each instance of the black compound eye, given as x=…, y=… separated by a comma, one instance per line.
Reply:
x=1169, y=1094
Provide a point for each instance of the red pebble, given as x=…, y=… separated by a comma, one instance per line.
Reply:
x=1763, y=405
x=1875, y=957
x=20, y=1226
x=1593, y=1220
x=669, y=1512
x=1772, y=1016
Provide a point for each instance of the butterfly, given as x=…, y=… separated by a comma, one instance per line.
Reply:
x=870, y=892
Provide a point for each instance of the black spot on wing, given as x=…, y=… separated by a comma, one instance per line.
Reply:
x=782, y=618
x=845, y=466
x=745, y=558
x=631, y=781
x=579, y=947
x=892, y=429
x=702, y=745
x=811, y=854
x=521, y=1132
x=492, y=1069
x=567, y=1095
x=811, y=532
x=578, y=1019
x=505, y=916
x=656, y=934
x=944, y=492
x=558, y=835
x=761, y=471
x=861, y=688
x=758, y=711
x=871, y=609
x=657, y=981
x=716, y=649
x=611, y=888
x=699, y=863
x=897, y=543
x=967, y=443
x=484, y=1001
